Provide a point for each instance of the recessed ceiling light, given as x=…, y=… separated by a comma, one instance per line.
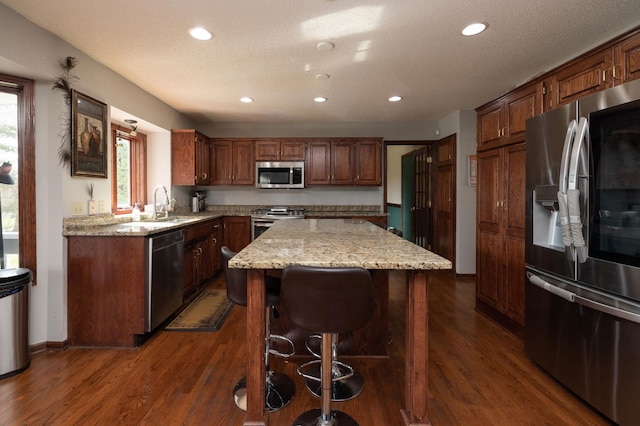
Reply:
x=474, y=29
x=200, y=33
x=320, y=99
x=322, y=76
x=395, y=98
x=246, y=100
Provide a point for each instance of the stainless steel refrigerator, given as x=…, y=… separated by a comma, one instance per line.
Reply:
x=582, y=317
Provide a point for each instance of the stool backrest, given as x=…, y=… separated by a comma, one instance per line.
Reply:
x=236, y=279
x=327, y=300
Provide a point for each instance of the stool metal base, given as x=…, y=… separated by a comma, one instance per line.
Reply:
x=314, y=418
x=279, y=391
x=341, y=390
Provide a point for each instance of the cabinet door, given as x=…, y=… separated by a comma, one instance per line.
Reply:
x=343, y=163
x=215, y=246
x=519, y=107
x=628, y=60
x=237, y=232
x=589, y=75
x=292, y=150
x=369, y=162
x=203, y=160
x=243, y=163
x=190, y=268
x=490, y=126
x=183, y=155
x=267, y=150
x=489, y=250
x=318, y=163
x=223, y=160
x=514, y=230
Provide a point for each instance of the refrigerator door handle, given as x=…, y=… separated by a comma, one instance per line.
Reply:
x=578, y=141
x=607, y=309
x=563, y=208
x=573, y=193
x=589, y=303
x=566, y=295
x=566, y=155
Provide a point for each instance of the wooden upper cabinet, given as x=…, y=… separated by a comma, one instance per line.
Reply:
x=353, y=161
x=343, y=163
x=503, y=121
x=267, y=150
x=222, y=160
x=369, y=162
x=234, y=162
x=628, y=59
x=588, y=75
x=318, y=163
x=190, y=158
x=280, y=150
x=445, y=151
x=490, y=125
x=243, y=163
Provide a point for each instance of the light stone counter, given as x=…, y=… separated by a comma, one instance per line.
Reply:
x=334, y=243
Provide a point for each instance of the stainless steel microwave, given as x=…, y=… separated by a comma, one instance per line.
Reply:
x=280, y=174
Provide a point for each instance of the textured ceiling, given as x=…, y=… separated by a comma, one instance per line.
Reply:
x=267, y=50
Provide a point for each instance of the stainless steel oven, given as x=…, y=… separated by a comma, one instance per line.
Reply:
x=262, y=219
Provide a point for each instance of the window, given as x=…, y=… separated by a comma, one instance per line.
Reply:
x=129, y=170
x=18, y=147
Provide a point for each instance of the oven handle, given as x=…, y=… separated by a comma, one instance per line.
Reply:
x=262, y=224
x=589, y=303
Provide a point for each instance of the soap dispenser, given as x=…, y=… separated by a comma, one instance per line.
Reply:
x=136, y=213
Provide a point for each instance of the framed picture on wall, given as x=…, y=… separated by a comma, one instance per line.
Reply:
x=473, y=170
x=88, y=136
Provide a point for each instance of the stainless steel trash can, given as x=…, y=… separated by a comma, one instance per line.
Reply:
x=14, y=321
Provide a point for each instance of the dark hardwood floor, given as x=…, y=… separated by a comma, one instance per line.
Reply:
x=478, y=375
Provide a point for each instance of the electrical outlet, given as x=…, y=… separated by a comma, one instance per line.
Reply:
x=101, y=207
x=92, y=207
x=77, y=208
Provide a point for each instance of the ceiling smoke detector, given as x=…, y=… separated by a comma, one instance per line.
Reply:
x=325, y=45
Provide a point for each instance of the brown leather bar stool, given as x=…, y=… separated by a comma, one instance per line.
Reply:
x=328, y=301
x=279, y=388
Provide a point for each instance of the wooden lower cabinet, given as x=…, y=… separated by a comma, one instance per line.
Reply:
x=201, y=254
x=500, y=233
x=106, y=290
x=237, y=232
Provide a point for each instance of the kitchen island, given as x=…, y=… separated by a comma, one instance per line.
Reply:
x=338, y=243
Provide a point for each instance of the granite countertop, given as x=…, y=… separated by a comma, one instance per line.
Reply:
x=109, y=226
x=123, y=226
x=334, y=243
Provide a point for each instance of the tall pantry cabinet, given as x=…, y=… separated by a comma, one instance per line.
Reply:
x=500, y=238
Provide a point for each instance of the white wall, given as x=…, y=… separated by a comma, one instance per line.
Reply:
x=463, y=124
x=28, y=51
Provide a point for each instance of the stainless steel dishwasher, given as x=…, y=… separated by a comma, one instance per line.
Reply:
x=165, y=277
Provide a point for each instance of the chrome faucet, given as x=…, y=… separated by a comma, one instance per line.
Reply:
x=166, y=201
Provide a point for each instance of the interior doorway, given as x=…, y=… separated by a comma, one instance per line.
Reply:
x=420, y=193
